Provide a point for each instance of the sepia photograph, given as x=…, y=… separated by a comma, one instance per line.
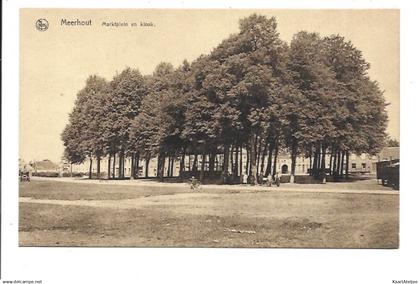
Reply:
x=209, y=128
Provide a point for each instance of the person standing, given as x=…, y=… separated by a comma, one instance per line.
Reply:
x=261, y=179
x=277, y=179
x=269, y=180
x=245, y=178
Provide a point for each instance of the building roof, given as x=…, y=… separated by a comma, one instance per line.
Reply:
x=389, y=153
x=46, y=165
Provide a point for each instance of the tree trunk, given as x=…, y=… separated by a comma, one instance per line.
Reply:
x=109, y=166
x=122, y=165
x=146, y=170
x=315, y=163
x=269, y=159
x=322, y=175
x=276, y=153
x=203, y=161
x=168, y=171
x=310, y=162
x=347, y=164
x=182, y=163
x=247, y=161
x=252, y=162
x=113, y=165
x=119, y=165
x=90, y=168
x=136, y=174
x=225, y=162
x=236, y=170
x=232, y=164
x=258, y=155
x=319, y=159
x=212, y=157
x=335, y=164
x=133, y=162
x=172, y=166
x=98, y=167
x=331, y=157
x=161, y=166
x=240, y=161
x=293, y=166
x=194, y=167
x=339, y=164
x=264, y=153
x=342, y=165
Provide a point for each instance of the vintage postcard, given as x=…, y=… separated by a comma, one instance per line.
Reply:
x=209, y=128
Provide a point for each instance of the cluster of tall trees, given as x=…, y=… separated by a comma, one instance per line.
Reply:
x=253, y=92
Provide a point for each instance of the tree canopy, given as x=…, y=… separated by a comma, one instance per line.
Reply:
x=253, y=92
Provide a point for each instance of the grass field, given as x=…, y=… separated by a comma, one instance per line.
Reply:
x=75, y=214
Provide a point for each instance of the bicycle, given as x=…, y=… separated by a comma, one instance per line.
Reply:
x=195, y=184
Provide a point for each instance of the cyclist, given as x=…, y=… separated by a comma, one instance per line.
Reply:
x=194, y=183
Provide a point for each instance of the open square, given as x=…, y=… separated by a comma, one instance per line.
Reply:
x=149, y=214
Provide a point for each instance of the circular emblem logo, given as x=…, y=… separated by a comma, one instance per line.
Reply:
x=42, y=25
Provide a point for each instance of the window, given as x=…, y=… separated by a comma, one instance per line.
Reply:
x=363, y=165
x=353, y=165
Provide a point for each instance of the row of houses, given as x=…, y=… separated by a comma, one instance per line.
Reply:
x=41, y=166
x=363, y=163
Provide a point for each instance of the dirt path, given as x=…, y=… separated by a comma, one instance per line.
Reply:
x=363, y=187
x=132, y=203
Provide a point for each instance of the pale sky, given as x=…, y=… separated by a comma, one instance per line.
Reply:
x=55, y=63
